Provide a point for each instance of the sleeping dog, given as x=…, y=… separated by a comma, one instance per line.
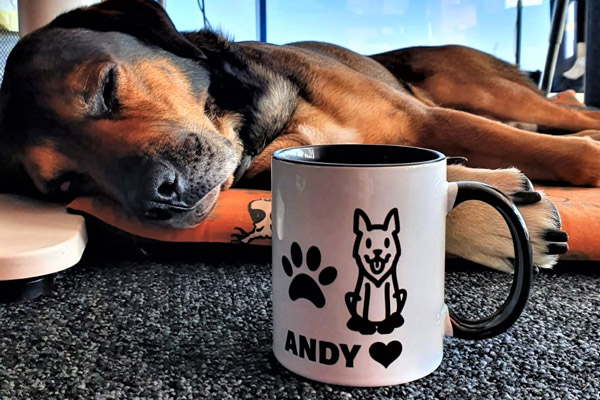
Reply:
x=111, y=100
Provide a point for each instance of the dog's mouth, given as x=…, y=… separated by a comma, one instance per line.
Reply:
x=377, y=264
x=162, y=214
x=181, y=216
x=169, y=189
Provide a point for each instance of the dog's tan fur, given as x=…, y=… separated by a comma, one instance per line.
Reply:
x=452, y=99
x=476, y=232
x=360, y=102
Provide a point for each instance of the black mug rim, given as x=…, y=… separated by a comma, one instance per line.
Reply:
x=398, y=152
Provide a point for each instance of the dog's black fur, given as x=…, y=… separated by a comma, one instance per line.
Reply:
x=112, y=100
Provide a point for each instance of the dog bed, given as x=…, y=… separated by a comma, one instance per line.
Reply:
x=244, y=216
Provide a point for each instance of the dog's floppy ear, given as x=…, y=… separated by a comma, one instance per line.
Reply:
x=143, y=19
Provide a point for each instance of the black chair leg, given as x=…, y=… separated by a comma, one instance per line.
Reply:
x=592, y=54
x=559, y=16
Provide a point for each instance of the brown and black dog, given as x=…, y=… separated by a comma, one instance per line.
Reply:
x=112, y=100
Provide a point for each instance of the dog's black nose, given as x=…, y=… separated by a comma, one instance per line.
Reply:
x=163, y=190
x=163, y=184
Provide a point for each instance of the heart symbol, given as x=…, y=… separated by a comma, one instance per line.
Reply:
x=385, y=354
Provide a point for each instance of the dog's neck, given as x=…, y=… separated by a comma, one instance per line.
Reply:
x=264, y=100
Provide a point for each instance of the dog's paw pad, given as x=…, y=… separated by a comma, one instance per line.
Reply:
x=557, y=248
x=525, y=198
x=556, y=235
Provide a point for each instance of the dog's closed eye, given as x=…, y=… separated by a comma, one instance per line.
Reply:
x=105, y=102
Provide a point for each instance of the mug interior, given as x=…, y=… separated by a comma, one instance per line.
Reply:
x=358, y=155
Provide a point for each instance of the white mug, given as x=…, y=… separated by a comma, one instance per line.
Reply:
x=359, y=258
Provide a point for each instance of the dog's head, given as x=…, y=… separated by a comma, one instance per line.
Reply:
x=112, y=100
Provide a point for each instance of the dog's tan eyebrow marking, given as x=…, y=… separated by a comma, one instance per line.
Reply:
x=153, y=84
x=45, y=162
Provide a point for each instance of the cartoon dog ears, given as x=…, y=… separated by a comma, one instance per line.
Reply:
x=143, y=19
x=362, y=222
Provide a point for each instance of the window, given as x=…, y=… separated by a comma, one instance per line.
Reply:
x=382, y=25
x=235, y=18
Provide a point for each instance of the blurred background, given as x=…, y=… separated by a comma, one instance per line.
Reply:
x=515, y=31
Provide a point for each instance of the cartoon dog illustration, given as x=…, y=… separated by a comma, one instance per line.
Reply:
x=260, y=213
x=376, y=251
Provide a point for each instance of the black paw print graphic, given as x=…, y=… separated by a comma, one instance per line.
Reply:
x=304, y=286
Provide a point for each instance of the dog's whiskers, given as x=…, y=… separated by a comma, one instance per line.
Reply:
x=202, y=127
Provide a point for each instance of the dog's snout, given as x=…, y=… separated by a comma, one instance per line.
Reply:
x=160, y=213
x=164, y=184
x=164, y=192
x=377, y=252
x=164, y=189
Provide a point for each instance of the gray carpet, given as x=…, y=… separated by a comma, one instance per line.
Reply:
x=194, y=323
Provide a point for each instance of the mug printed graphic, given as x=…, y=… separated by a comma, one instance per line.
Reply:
x=385, y=354
x=376, y=253
x=375, y=305
x=303, y=285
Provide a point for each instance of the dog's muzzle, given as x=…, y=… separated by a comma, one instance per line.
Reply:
x=159, y=193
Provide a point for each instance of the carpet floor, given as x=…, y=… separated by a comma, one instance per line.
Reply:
x=195, y=323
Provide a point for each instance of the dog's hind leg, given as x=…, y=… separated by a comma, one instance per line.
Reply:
x=505, y=100
x=466, y=79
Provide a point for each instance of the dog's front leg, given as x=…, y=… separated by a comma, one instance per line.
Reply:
x=490, y=144
x=475, y=231
x=258, y=175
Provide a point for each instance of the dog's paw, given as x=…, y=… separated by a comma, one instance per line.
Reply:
x=477, y=232
x=590, y=133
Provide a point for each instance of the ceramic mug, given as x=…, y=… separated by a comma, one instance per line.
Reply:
x=359, y=258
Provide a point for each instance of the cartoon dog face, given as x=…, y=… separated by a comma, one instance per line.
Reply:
x=377, y=247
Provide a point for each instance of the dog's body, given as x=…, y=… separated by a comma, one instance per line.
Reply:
x=112, y=100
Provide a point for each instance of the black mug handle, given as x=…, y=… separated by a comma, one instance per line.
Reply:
x=508, y=313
